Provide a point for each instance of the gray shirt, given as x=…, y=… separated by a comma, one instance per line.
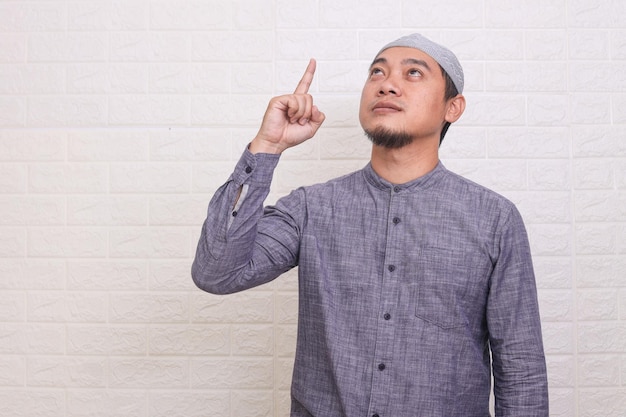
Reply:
x=406, y=292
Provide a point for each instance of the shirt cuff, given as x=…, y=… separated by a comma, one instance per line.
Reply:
x=257, y=169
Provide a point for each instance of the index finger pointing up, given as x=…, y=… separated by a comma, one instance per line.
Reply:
x=307, y=78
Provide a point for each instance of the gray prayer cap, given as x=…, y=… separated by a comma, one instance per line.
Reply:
x=441, y=54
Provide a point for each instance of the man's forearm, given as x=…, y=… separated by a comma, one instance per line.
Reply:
x=229, y=231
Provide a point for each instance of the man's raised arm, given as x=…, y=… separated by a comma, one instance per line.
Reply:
x=231, y=256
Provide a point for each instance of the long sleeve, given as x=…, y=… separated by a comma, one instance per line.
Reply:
x=234, y=252
x=520, y=381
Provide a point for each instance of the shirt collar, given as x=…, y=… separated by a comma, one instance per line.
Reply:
x=422, y=182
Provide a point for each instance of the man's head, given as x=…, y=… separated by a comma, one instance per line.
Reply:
x=413, y=90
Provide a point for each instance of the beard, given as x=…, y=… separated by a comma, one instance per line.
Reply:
x=388, y=138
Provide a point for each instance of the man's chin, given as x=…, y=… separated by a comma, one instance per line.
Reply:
x=387, y=138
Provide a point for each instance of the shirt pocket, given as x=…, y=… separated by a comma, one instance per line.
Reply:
x=449, y=286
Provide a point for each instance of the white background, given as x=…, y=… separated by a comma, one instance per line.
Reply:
x=118, y=119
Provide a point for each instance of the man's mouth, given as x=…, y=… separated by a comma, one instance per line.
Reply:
x=386, y=107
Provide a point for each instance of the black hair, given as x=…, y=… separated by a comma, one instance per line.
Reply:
x=450, y=92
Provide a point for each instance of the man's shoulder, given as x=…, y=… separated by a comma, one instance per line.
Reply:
x=326, y=192
x=462, y=187
x=346, y=181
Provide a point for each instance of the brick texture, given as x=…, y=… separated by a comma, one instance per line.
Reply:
x=120, y=118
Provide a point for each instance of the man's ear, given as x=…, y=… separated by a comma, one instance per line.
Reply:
x=456, y=107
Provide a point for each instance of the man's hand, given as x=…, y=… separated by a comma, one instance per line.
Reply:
x=289, y=119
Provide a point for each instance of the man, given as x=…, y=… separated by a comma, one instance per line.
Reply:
x=411, y=278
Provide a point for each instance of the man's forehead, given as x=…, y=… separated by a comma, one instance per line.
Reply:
x=405, y=56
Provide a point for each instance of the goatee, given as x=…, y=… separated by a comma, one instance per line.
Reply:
x=388, y=138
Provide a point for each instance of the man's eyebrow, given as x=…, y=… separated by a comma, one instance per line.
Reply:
x=406, y=61
x=413, y=61
x=378, y=61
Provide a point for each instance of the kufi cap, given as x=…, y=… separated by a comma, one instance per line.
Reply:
x=441, y=54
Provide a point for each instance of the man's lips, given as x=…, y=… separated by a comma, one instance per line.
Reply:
x=385, y=106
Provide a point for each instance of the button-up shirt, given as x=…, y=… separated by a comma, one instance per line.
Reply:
x=411, y=296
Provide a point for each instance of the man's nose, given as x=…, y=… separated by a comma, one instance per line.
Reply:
x=389, y=86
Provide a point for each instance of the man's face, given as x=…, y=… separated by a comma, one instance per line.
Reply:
x=404, y=96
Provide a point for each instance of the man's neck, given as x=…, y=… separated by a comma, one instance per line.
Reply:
x=399, y=166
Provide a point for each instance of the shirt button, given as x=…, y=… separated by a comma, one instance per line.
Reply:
x=234, y=213
x=396, y=220
x=381, y=366
x=391, y=268
x=396, y=189
x=248, y=170
x=375, y=415
x=387, y=316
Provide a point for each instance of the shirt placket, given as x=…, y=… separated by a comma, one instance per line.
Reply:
x=383, y=363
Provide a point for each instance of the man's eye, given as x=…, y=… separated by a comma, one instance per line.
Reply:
x=415, y=73
x=376, y=71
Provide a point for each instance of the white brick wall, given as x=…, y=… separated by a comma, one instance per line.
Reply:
x=119, y=118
